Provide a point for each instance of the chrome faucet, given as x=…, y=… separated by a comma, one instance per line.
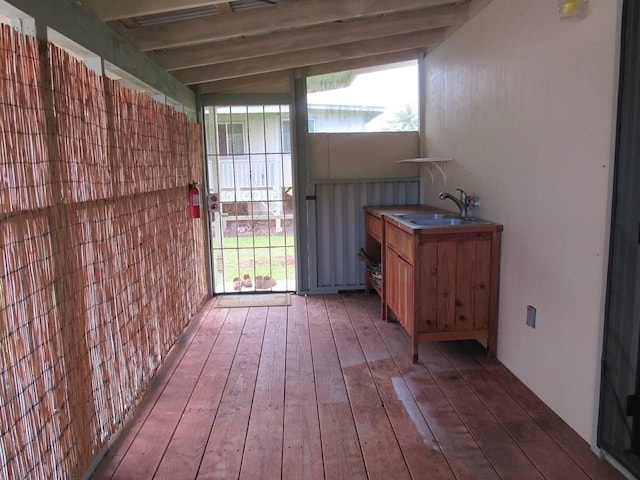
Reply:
x=465, y=203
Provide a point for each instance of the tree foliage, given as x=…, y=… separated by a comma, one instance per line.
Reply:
x=405, y=120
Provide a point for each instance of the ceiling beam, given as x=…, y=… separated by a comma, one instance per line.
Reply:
x=314, y=56
x=224, y=7
x=265, y=20
x=365, y=62
x=245, y=83
x=116, y=9
x=328, y=34
x=267, y=79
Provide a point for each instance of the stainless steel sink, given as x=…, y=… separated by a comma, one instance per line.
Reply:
x=437, y=219
x=419, y=217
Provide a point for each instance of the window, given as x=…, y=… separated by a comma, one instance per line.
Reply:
x=286, y=133
x=286, y=136
x=231, y=139
x=379, y=99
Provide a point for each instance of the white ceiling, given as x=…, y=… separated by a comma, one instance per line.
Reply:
x=215, y=43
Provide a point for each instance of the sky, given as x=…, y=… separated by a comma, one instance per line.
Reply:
x=395, y=87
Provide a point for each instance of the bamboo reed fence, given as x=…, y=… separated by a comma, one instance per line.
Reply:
x=101, y=268
x=24, y=161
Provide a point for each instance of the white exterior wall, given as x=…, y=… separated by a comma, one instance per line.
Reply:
x=345, y=121
x=525, y=103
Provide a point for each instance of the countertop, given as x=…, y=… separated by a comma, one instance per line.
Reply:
x=391, y=212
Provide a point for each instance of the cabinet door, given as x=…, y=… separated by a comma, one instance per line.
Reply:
x=405, y=294
x=455, y=284
x=399, y=285
x=390, y=272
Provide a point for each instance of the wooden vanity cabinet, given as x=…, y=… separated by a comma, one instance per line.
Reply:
x=442, y=283
x=374, y=239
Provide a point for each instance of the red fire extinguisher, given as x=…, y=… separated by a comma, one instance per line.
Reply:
x=194, y=200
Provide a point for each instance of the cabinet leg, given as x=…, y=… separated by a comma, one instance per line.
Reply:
x=414, y=350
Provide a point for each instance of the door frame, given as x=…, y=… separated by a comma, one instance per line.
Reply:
x=628, y=106
x=245, y=99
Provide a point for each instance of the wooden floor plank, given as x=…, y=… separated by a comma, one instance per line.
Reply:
x=565, y=437
x=324, y=389
x=419, y=446
x=263, y=449
x=462, y=452
x=372, y=343
x=535, y=442
x=380, y=449
x=120, y=445
x=302, y=447
x=509, y=461
x=342, y=456
x=223, y=456
x=154, y=436
x=184, y=453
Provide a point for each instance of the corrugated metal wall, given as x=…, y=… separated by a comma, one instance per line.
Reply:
x=340, y=226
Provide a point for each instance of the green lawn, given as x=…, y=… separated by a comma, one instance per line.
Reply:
x=259, y=255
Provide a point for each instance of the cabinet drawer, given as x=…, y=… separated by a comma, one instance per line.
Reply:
x=400, y=241
x=373, y=226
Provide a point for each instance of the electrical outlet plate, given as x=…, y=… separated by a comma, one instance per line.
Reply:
x=531, y=316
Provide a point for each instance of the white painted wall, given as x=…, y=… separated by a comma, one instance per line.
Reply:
x=339, y=156
x=525, y=104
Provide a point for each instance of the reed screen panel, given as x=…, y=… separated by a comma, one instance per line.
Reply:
x=24, y=158
x=101, y=267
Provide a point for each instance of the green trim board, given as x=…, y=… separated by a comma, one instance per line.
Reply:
x=77, y=24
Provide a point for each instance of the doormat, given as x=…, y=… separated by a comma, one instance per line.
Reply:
x=253, y=300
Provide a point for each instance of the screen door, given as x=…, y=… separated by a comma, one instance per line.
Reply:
x=250, y=169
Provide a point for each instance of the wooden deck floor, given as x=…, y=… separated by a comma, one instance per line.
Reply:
x=323, y=389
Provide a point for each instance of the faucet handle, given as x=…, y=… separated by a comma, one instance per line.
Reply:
x=473, y=201
x=463, y=195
